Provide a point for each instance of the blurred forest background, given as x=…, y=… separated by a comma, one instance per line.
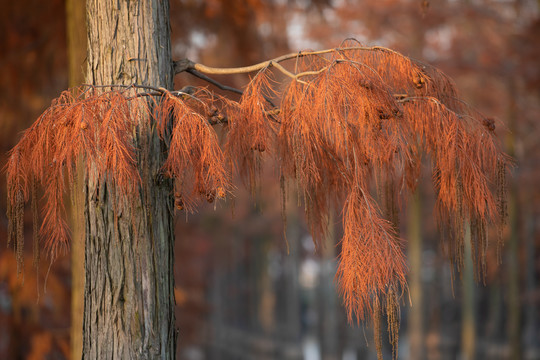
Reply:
x=242, y=291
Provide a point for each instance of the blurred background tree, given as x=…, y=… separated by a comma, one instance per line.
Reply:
x=239, y=294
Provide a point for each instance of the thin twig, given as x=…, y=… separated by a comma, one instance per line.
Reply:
x=307, y=73
x=221, y=86
x=214, y=82
x=285, y=71
x=127, y=87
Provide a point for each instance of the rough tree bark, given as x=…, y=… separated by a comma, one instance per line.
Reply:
x=129, y=292
x=76, y=48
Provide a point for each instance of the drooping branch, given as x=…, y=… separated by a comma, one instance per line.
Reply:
x=349, y=122
x=186, y=64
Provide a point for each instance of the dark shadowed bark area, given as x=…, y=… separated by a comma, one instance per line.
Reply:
x=129, y=293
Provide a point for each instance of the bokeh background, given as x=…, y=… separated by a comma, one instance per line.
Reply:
x=242, y=290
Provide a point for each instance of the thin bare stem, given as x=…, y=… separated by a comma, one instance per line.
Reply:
x=214, y=82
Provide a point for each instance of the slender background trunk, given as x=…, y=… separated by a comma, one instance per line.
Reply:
x=468, y=308
x=329, y=325
x=129, y=292
x=513, y=244
x=416, y=311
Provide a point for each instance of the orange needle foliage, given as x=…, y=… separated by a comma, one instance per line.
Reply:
x=351, y=126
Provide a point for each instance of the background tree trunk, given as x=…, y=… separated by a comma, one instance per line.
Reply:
x=329, y=310
x=76, y=50
x=468, y=308
x=514, y=242
x=129, y=292
x=416, y=311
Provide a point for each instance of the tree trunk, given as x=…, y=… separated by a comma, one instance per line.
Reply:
x=329, y=325
x=416, y=311
x=129, y=292
x=514, y=241
x=76, y=47
x=468, y=311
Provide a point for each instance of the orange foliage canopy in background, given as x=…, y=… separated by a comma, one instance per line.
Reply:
x=349, y=128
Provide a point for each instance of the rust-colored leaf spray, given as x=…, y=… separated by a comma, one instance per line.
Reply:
x=343, y=124
x=194, y=159
x=252, y=128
